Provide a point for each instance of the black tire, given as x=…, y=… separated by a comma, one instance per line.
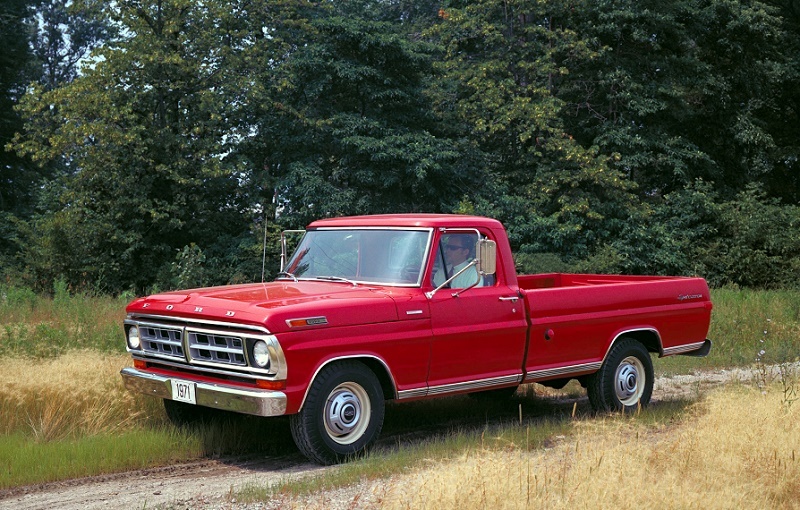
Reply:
x=342, y=415
x=182, y=414
x=624, y=381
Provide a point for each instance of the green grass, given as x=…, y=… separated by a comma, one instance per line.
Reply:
x=24, y=461
x=44, y=327
x=743, y=323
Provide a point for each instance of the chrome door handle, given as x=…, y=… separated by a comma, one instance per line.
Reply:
x=513, y=299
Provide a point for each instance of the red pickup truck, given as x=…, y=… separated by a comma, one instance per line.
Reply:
x=403, y=307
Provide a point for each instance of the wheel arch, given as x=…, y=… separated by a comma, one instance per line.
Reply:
x=624, y=381
x=649, y=337
x=375, y=364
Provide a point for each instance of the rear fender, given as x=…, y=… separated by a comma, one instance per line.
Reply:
x=649, y=337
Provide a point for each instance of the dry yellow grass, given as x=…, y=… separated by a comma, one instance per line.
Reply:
x=740, y=449
x=79, y=393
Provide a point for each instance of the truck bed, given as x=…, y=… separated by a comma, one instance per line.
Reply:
x=576, y=316
x=561, y=294
x=554, y=280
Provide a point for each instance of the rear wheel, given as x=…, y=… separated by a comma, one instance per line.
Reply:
x=342, y=415
x=624, y=381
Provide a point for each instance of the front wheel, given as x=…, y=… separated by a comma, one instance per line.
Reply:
x=342, y=415
x=624, y=381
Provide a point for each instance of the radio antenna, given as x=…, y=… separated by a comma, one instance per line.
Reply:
x=264, y=254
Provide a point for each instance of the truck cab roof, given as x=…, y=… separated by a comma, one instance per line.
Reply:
x=409, y=220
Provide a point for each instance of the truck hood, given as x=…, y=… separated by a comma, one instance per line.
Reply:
x=275, y=305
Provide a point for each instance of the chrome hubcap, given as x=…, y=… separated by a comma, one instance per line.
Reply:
x=347, y=413
x=629, y=386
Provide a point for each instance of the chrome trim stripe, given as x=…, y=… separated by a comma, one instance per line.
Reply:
x=459, y=387
x=254, y=401
x=473, y=385
x=562, y=371
x=679, y=349
x=416, y=393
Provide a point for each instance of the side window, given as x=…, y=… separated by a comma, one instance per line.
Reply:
x=454, y=253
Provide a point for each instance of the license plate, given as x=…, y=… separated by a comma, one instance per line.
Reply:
x=183, y=391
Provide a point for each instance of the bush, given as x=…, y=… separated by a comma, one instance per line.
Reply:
x=17, y=297
x=532, y=263
x=749, y=241
x=188, y=270
x=758, y=245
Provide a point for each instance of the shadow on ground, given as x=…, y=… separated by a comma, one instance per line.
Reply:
x=266, y=443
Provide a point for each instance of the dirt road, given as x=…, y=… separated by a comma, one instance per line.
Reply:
x=212, y=483
x=190, y=485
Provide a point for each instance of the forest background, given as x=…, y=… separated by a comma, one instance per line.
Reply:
x=150, y=145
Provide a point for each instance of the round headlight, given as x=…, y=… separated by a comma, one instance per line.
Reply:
x=261, y=354
x=133, y=337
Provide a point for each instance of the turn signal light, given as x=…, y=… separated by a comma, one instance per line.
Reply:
x=310, y=321
x=270, y=385
x=140, y=364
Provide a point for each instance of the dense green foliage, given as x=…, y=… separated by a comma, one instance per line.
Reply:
x=17, y=176
x=348, y=130
x=158, y=141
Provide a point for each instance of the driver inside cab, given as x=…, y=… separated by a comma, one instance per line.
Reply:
x=455, y=252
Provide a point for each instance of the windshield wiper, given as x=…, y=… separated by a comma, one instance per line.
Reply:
x=336, y=279
x=286, y=273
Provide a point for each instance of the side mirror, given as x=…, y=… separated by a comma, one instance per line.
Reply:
x=486, y=254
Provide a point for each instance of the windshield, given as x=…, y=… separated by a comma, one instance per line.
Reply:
x=385, y=256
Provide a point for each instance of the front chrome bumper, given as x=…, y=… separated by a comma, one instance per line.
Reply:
x=219, y=396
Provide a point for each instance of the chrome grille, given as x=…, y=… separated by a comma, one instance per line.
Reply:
x=204, y=346
x=162, y=341
x=216, y=348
